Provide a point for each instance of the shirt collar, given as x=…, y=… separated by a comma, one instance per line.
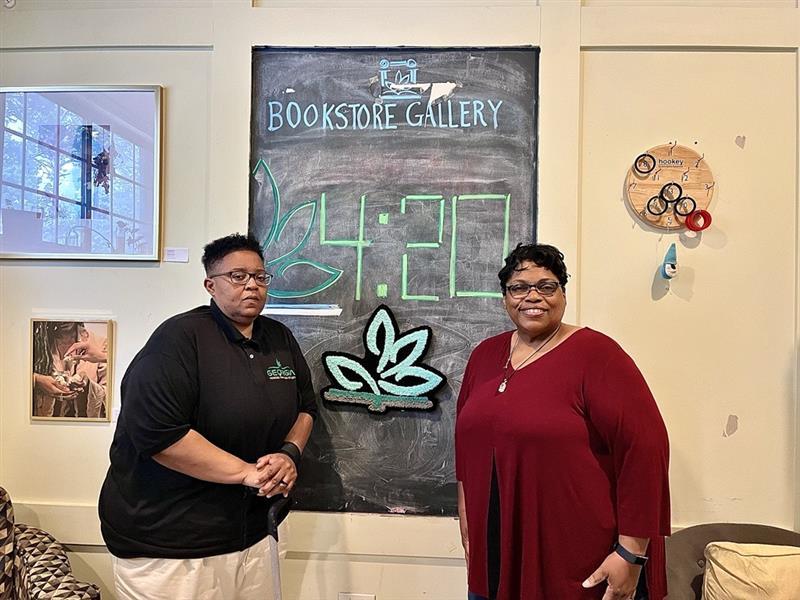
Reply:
x=229, y=329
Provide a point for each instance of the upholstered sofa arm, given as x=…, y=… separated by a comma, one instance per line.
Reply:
x=10, y=564
x=47, y=572
x=33, y=565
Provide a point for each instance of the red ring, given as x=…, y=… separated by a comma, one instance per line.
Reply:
x=697, y=220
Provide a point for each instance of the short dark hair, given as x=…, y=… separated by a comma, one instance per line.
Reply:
x=218, y=249
x=542, y=255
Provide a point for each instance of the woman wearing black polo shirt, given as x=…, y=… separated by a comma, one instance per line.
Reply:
x=216, y=410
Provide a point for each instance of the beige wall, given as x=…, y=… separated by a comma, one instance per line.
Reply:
x=721, y=342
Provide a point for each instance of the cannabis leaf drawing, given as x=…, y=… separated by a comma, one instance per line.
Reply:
x=390, y=374
x=291, y=259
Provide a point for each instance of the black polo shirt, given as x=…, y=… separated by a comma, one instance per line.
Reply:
x=243, y=395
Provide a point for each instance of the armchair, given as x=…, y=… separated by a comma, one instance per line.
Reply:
x=33, y=565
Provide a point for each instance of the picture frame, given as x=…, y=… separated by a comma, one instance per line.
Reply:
x=71, y=369
x=80, y=175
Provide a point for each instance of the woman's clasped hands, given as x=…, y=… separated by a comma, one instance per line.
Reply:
x=272, y=474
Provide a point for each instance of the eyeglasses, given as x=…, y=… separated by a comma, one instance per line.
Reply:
x=262, y=278
x=545, y=288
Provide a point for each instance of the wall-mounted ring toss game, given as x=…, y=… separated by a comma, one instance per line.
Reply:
x=670, y=187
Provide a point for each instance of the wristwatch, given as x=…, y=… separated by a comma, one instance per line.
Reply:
x=629, y=556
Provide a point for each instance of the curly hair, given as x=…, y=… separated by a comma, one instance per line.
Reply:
x=215, y=251
x=542, y=255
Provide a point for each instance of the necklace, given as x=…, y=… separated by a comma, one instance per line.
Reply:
x=506, y=375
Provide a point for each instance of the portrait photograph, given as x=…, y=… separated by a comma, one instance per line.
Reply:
x=71, y=369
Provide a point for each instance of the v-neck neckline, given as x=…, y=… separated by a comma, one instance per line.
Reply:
x=547, y=353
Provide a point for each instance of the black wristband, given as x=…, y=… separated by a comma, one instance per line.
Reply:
x=293, y=451
x=629, y=556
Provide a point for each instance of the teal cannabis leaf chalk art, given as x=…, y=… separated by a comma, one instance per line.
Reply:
x=305, y=212
x=390, y=375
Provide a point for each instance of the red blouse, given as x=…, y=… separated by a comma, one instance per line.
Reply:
x=581, y=455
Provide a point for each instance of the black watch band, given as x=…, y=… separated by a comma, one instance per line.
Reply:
x=629, y=556
x=293, y=451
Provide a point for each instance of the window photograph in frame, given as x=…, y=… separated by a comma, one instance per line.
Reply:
x=71, y=369
x=80, y=172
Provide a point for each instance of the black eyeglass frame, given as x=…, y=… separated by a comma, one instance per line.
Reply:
x=533, y=286
x=254, y=276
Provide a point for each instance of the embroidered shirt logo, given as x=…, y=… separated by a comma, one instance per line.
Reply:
x=278, y=371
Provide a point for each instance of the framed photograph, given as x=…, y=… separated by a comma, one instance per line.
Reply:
x=71, y=369
x=80, y=174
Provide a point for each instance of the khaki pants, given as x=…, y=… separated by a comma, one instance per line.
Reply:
x=244, y=575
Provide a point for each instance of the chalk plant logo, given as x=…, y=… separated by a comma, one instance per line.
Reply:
x=305, y=214
x=278, y=371
x=390, y=374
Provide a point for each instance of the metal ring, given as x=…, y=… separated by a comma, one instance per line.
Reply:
x=680, y=202
x=654, y=201
x=648, y=161
x=282, y=482
x=663, y=193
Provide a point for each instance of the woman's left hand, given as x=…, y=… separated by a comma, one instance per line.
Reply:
x=621, y=576
x=282, y=474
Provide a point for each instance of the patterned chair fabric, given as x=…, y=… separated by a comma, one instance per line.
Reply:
x=33, y=565
x=11, y=567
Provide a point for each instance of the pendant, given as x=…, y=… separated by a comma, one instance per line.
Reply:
x=502, y=387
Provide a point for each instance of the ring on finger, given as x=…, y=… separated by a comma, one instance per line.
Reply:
x=283, y=483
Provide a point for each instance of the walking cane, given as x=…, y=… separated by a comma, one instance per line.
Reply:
x=275, y=516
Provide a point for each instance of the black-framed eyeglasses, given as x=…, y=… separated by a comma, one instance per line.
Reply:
x=546, y=287
x=262, y=278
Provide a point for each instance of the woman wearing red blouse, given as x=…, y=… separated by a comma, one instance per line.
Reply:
x=561, y=454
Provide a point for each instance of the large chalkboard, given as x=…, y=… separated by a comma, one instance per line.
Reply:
x=401, y=177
